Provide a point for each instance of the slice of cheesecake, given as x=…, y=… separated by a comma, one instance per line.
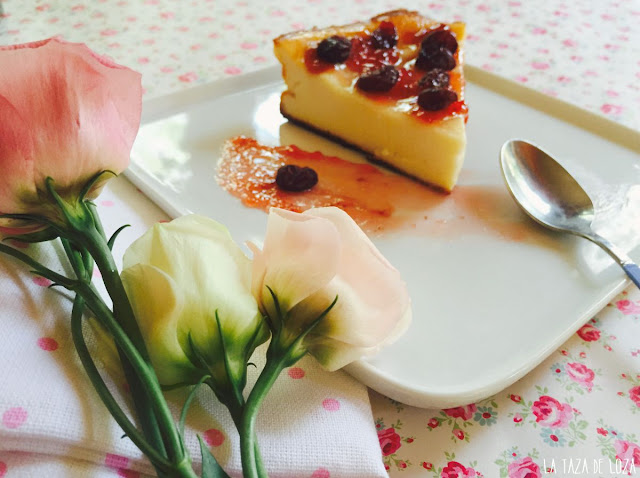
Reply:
x=392, y=87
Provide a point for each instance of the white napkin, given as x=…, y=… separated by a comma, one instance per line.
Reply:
x=312, y=424
x=33, y=465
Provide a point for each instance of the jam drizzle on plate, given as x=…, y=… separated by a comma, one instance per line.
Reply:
x=380, y=202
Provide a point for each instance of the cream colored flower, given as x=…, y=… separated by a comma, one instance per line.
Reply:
x=178, y=275
x=308, y=260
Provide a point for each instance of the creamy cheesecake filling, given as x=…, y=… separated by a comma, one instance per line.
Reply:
x=389, y=130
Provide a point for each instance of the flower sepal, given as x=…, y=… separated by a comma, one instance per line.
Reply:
x=287, y=343
x=59, y=213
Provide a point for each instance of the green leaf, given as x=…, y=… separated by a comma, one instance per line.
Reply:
x=210, y=466
x=45, y=235
x=187, y=404
x=114, y=236
x=38, y=268
x=93, y=180
x=175, y=386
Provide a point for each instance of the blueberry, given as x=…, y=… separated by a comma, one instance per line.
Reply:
x=440, y=39
x=335, y=49
x=378, y=80
x=434, y=99
x=441, y=59
x=434, y=79
x=385, y=36
x=294, y=178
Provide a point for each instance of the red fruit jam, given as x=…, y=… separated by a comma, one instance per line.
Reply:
x=248, y=171
x=380, y=202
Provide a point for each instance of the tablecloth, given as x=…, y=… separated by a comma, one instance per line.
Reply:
x=576, y=413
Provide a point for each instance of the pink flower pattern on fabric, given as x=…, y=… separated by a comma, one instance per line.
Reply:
x=581, y=374
x=628, y=307
x=589, y=333
x=524, y=468
x=551, y=413
x=389, y=441
x=627, y=451
x=457, y=470
x=634, y=395
x=465, y=412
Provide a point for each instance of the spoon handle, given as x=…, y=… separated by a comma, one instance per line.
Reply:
x=633, y=271
x=631, y=268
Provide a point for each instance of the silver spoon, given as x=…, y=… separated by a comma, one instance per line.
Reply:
x=552, y=197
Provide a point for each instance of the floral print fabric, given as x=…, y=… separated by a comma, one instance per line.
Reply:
x=582, y=404
x=576, y=413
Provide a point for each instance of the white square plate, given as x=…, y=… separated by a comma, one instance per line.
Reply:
x=493, y=294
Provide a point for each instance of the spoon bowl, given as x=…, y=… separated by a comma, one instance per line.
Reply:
x=553, y=198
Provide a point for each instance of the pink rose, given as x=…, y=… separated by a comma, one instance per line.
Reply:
x=589, y=333
x=65, y=113
x=524, y=468
x=308, y=260
x=581, y=374
x=465, y=412
x=433, y=423
x=456, y=470
x=389, y=441
x=627, y=452
x=634, y=395
x=627, y=307
x=551, y=413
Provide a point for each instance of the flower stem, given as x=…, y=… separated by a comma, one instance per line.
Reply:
x=180, y=464
x=157, y=421
x=235, y=404
x=285, y=349
x=159, y=461
x=152, y=444
x=277, y=360
x=144, y=372
x=124, y=315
